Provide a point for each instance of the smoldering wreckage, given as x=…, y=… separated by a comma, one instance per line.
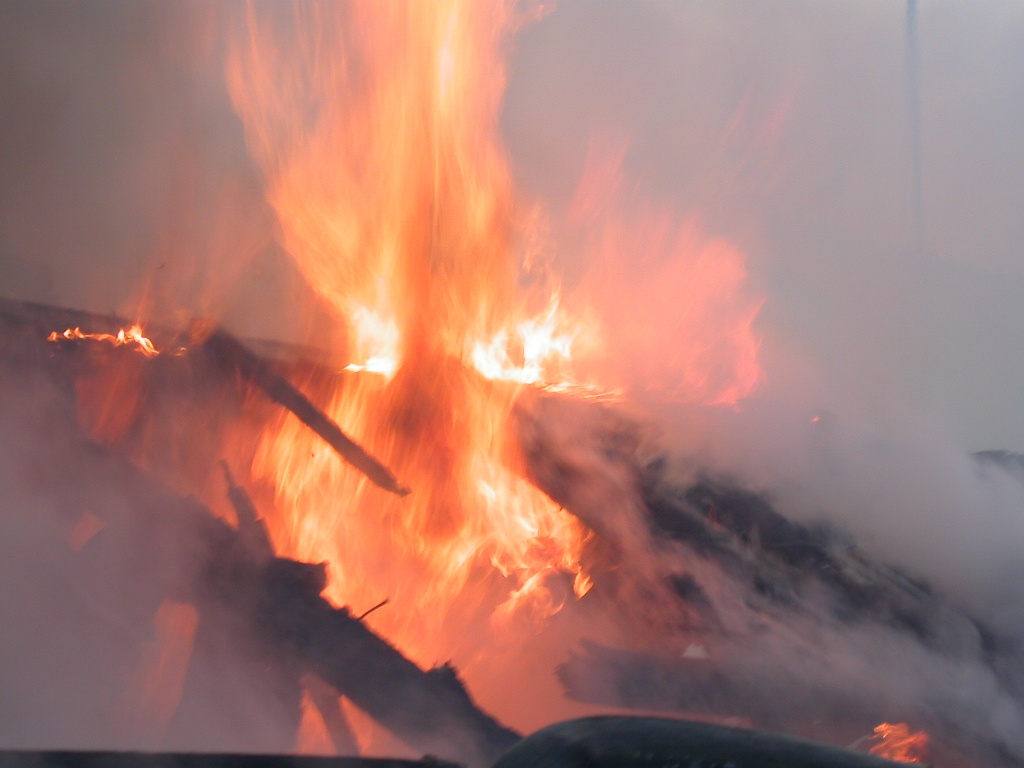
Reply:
x=789, y=629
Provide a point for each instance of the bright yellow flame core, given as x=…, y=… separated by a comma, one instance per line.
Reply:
x=376, y=127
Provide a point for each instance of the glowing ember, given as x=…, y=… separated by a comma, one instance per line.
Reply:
x=132, y=335
x=896, y=741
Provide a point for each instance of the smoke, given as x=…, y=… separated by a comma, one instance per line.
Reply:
x=98, y=570
x=782, y=127
x=914, y=108
x=788, y=656
x=785, y=129
x=895, y=480
x=127, y=187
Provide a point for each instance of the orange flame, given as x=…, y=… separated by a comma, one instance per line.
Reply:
x=108, y=404
x=132, y=335
x=312, y=737
x=376, y=128
x=394, y=199
x=895, y=741
x=160, y=678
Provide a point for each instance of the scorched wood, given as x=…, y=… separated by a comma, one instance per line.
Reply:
x=429, y=710
x=257, y=371
x=97, y=759
x=631, y=742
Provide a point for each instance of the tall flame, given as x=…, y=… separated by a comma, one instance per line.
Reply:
x=376, y=128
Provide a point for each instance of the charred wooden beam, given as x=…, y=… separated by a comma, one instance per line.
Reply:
x=430, y=710
x=250, y=526
x=632, y=742
x=257, y=371
x=327, y=700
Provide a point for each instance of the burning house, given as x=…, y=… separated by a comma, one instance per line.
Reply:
x=442, y=522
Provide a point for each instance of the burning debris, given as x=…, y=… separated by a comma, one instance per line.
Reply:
x=259, y=373
x=279, y=601
x=712, y=578
x=248, y=598
x=132, y=335
x=548, y=547
x=896, y=741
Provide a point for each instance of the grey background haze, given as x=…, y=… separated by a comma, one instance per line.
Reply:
x=783, y=125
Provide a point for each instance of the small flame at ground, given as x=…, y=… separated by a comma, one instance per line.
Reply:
x=132, y=335
x=896, y=741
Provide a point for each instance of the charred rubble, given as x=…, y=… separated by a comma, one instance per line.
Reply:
x=755, y=608
x=266, y=610
x=780, y=624
x=594, y=742
x=103, y=759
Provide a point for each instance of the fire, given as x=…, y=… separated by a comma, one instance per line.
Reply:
x=896, y=741
x=132, y=335
x=395, y=201
x=108, y=404
x=376, y=343
x=536, y=350
x=376, y=128
x=160, y=677
x=313, y=737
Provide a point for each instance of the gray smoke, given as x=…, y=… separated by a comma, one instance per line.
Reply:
x=914, y=109
x=783, y=126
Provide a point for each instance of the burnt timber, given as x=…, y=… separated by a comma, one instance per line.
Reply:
x=101, y=759
x=742, y=577
x=264, y=609
x=280, y=599
x=610, y=742
x=251, y=368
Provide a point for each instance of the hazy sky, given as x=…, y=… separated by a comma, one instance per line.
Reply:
x=784, y=125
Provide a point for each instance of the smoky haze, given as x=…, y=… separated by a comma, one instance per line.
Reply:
x=126, y=184
x=786, y=128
